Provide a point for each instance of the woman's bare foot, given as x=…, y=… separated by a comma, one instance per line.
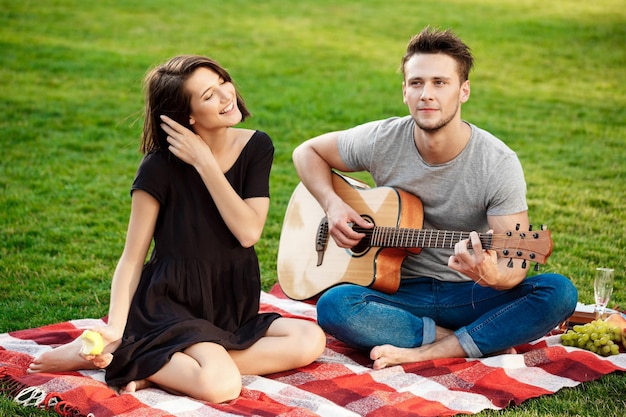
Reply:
x=67, y=358
x=135, y=386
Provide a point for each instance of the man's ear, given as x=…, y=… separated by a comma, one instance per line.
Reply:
x=465, y=91
x=404, y=92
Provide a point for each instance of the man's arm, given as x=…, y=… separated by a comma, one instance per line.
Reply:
x=314, y=160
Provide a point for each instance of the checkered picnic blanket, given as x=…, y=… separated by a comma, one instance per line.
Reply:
x=340, y=383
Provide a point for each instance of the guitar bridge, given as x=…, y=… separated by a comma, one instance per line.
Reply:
x=321, y=240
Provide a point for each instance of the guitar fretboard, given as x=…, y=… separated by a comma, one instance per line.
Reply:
x=393, y=237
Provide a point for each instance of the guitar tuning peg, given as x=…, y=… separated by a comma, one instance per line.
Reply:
x=524, y=264
x=510, y=263
x=544, y=227
x=517, y=226
x=530, y=227
x=536, y=267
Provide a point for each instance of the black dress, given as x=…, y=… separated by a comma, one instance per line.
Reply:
x=200, y=284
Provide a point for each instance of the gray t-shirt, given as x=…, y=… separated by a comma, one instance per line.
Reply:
x=486, y=178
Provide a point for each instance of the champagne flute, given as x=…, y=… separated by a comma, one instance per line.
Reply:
x=602, y=289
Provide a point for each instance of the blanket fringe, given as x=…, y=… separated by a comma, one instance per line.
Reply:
x=28, y=396
x=8, y=384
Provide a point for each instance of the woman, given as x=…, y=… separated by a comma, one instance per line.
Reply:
x=188, y=319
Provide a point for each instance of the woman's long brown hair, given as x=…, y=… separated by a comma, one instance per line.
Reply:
x=166, y=95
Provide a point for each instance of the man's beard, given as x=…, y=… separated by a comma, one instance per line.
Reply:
x=438, y=126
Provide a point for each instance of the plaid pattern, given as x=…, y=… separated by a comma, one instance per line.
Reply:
x=340, y=383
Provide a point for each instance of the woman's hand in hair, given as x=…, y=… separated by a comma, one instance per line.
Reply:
x=184, y=144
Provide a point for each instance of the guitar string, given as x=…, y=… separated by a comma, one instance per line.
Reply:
x=448, y=239
x=473, y=286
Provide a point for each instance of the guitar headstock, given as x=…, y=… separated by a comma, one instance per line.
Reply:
x=531, y=245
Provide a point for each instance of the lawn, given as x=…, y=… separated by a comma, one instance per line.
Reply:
x=549, y=81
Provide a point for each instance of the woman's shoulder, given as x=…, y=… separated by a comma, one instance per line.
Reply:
x=256, y=139
x=159, y=164
x=248, y=134
x=152, y=158
x=156, y=159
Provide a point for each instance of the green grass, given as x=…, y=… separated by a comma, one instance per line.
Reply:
x=549, y=81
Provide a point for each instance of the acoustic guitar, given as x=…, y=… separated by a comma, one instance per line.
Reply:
x=309, y=262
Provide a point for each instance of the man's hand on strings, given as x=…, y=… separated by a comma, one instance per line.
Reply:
x=341, y=219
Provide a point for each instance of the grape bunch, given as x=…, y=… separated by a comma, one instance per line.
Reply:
x=597, y=336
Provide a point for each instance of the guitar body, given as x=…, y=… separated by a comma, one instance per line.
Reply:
x=304, y=271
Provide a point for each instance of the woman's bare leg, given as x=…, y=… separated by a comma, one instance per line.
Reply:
x=287, y=344
x=208, y=372
x=204, y=371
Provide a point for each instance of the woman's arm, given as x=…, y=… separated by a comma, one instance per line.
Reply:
x=143, y=216
x=245, y=218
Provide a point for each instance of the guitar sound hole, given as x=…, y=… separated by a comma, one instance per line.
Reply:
x=364, y=245
x=361, y=248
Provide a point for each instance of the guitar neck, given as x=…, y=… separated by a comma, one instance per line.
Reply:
x=392, y=237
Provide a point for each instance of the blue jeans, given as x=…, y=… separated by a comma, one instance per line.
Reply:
x=484, y=320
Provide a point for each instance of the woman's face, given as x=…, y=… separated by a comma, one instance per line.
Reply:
x=213, y=101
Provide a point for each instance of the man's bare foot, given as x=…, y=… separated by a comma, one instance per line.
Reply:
x=67, y=358
x=442, y=332
x=135, y=386
x=389, y=355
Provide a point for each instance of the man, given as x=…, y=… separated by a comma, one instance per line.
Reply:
x=450, y=303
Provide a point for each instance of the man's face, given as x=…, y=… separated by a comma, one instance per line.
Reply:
x=433, y=90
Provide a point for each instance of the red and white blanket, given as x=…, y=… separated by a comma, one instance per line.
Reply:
x=340, y=383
